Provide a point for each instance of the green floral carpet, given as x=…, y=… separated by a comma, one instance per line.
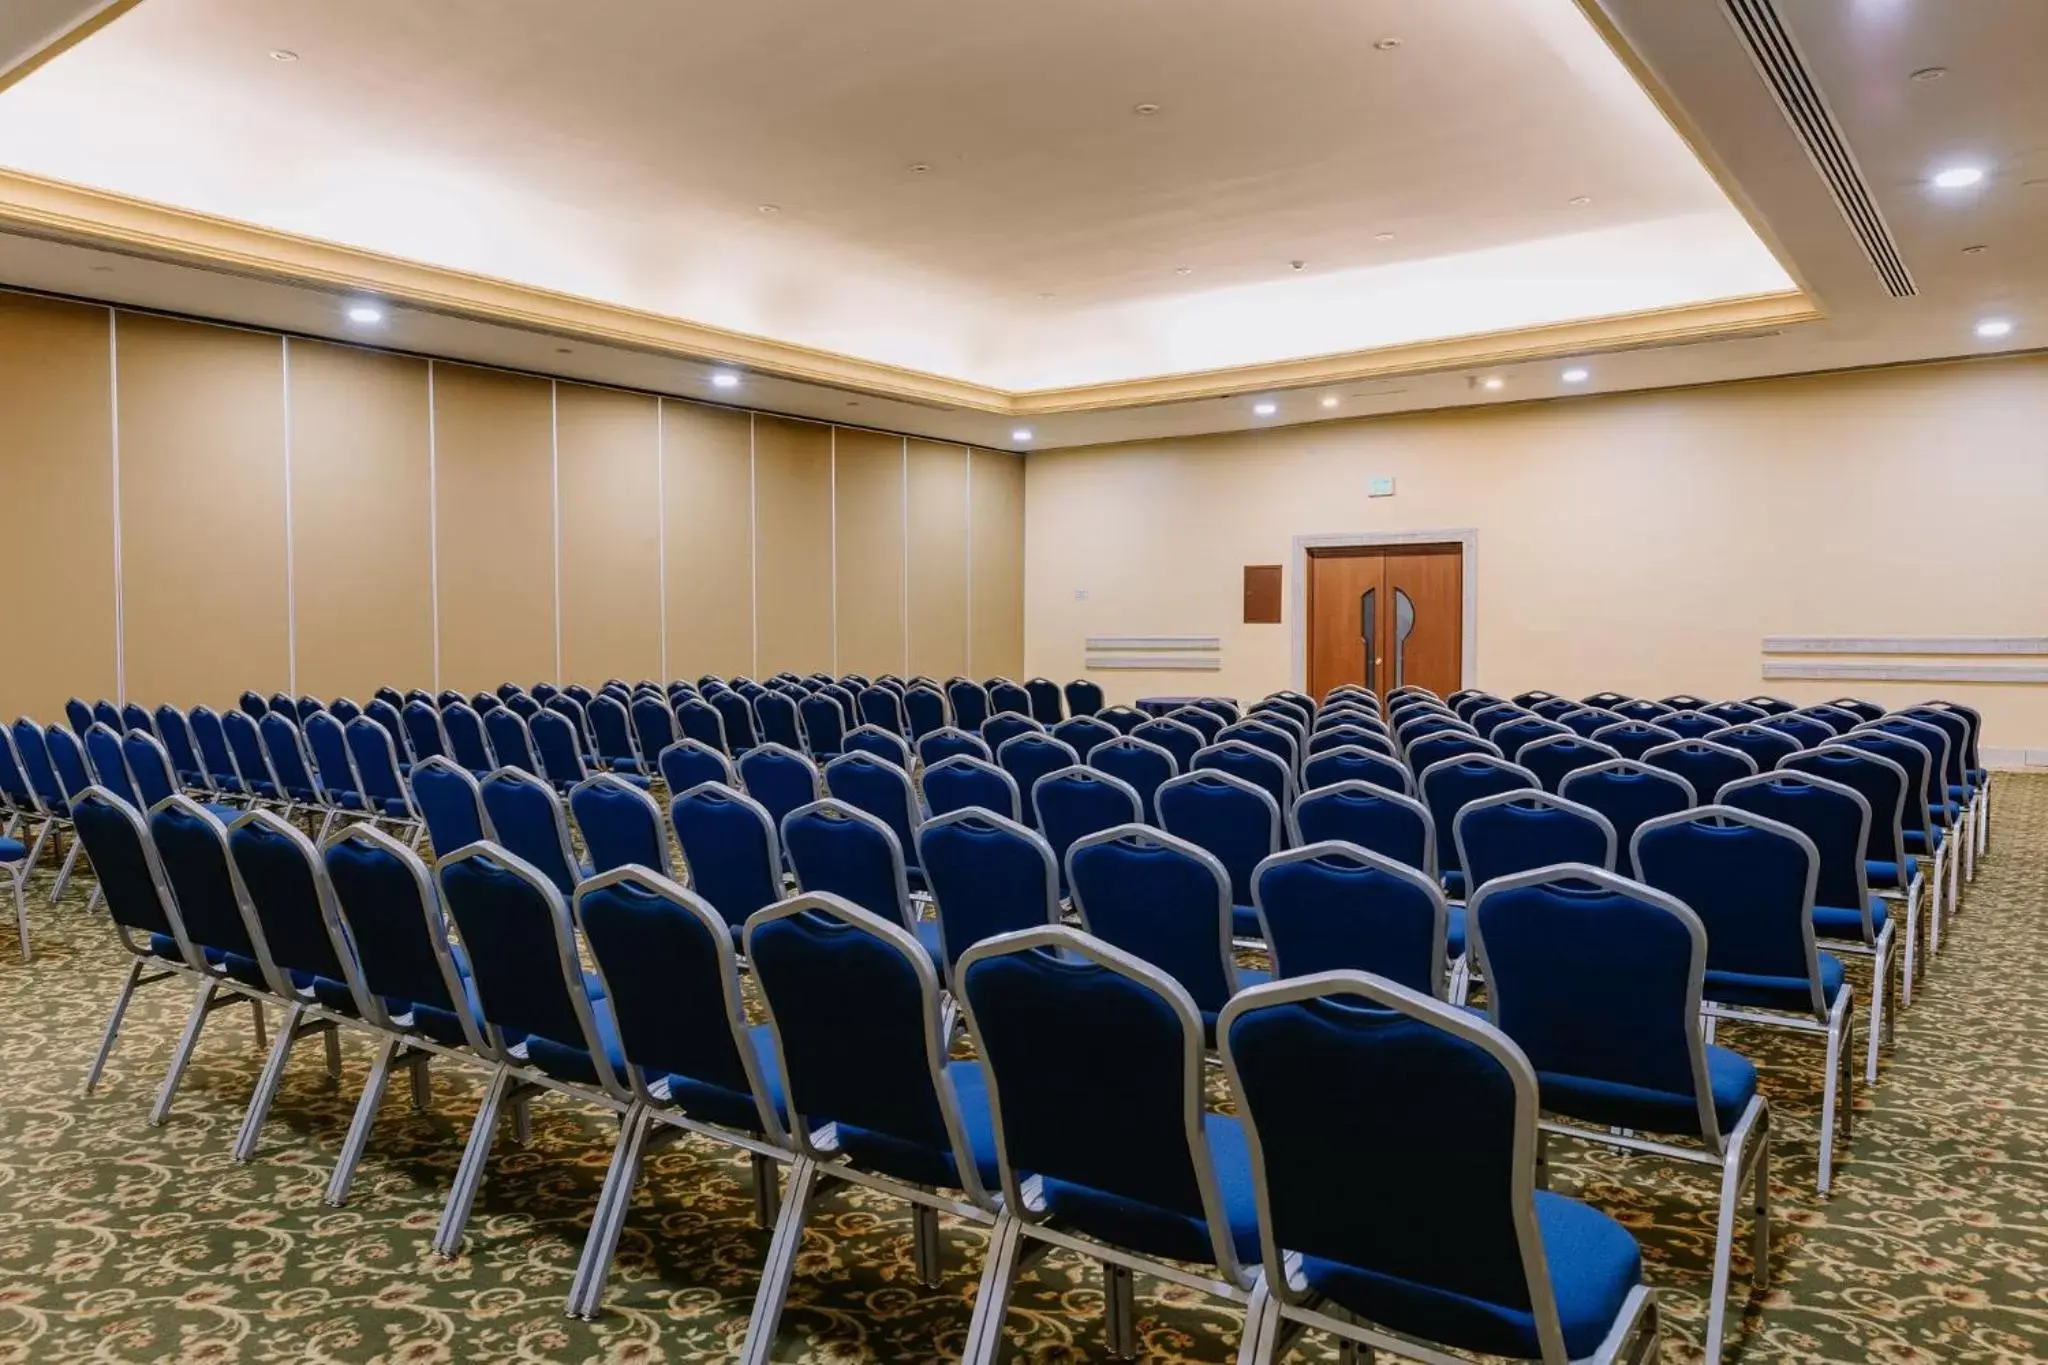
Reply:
x=125, y=1243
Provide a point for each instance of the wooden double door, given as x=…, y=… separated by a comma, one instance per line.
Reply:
x=1386, y=617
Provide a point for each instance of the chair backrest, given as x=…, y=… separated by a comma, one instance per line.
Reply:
x=448, y=799
x=18, y=795
x=1200, y=719
x=1857, y=707
x=1370, y=816
x=1519, y=733
x=838, y=848
x=570, y=709
x=1633, y=738
x=1734, y=712
x=654, y=725
x=780, y=778
x=192, y=845
x=511, y=741
x=1485, y=719
x=859, y=1027
x=106, y=713
x=1083, y=733
x=290, y=897
x=1344, y=733
x=877, y=743
x=671, y=979
x=176, y=733
x=777, y=721
x=1913, y=761
x=1973, y=721
x=611, y=731
x=1764, y=745
x=1956, y=728
x=731, y=847
x=245, y=743
x=109, y=765
x=1084, y=698
x=881, y=707
x=699, y=720
x=528, y=823
x=689, y=762
x=467, y=742
x=1706, y=766
x=936, y=746
x=968, y=701
x=1835, y=818
x=1140, y=764
x=621, y=824
x=131, y=876
x=1587, y=721
x=79, y=716
x=1597, y=976
x=1499, y=836
x=1177, y=737
x=212, y=742
x=1038, y=1004
x=1275, y=735
x=988, y=876
x=149, y=766
x=1355, y=763
x=1929, y=738
x=1556, y=757
x=961, y=783
x=1255, y=765
x=1046, y=701
x=1641, y=708
x=1237, y=821
x=67, y=759
x=375, y=753
x=1751, y=881
x=880, y=788
x=423, y=732
x=1442, y=745
x=1808, y=732
x=1320, y=1065
x=345, y=710
x=1628, y=793
x=386, y=713
x=1334, y=906
x=1072, y=802
x=1448, y=786
x=521, y=945
x=925, y=709
x=1834, y=717
x=290, y=759
x=327, y=740
x=1030, y=756
x=558, y=747
x=1883, y=783
x=1692, y=724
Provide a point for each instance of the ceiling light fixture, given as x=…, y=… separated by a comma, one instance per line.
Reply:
x=1992, y=328
x=1383, y=236
x=1145, y=110
x=1956, y=177
x=1579, y=201
x=920, y=168
x=1975, y=249
x=1265, y=409
x=561, y=350
x=1386, y=44
x=724, y=379
x=1297, y=265
x=1930, y=73
x=1021, y=434
x=1577, y=374
x=283, y=54
x=769, y=210
x=1329, y=400
x=1183, y=270
x=365, y=314
x=1492, y=382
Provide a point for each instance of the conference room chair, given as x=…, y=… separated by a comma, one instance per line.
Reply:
x=523, y=705
x=1750, y=880
x=15, y=854
x=653, y=724
x=1598, y=980
x=1765, y=746
x=620, y=823
x=1259, y=766
x=1318, y=1065
x=1123, y=718
x=1154, y=1184
x=393, y=722
x=1556, y=757
x=925, y=710
x=1606, y=701
x=1471, y=702
x=1705, y=765
x=699, y=720
x=1349, y=712
x=1337, y=906
x=106, y=713
x=822, y=720
x=1201, y=719
x=468, y=742
x=1046, y=702
x=395, y=699
x=1370, y=816
x=1413, y=728
x=1138, y=763
x=1518, y=734
x=1177, y=737
x=1891, y=876
x=1343, y=735
x=1682, y=701
x=451, y=803
x=1447, y=787
x=936, y=746
x=963, y=782
x=135, y=716
x=1271, y=738
x=1834, y=717
x=79, y=715
x=1004, y=726
x=304, y=708
x=883, y=789
x=694, y=1065
x=1628, y=793
x=424, y=735
x=1084, y=698
x=886, y=746
x=835, y=846
x=1552, y=708
x=881, y=707
x=968, y=701
x=1285, y=717
x=1439, y=746
x=1805, y=730
x=511, y=740
x=334, y=764
x=1071, y=803
x=688, y=763
x=104, y=763
x=559, y=749
x=732, y=850
x=1979, y=777
x=1962, y=789
x=861, y=1032
x=150, y=766
x=1535, y=697
x=252, y=758
x=1936, y=839
x=1083, y=733
x=1355, y=763
x=375, y=756
x=1029, y=756
x=989, y=875
x=530, y=984
x=298, y=778
x=611, y=734
x=736, y=713
x=1733, y=712
x=223, y=776
x=1632, y=738
x=527, y=822
x=780, y=778
x=1485, y=716
x=1587, y=721
x=1642, y=709
x=777, y=720
x=1692, y=724
x=1235, y=820
x=1520, y=831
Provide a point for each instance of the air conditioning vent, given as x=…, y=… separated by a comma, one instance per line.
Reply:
x=1784, y=70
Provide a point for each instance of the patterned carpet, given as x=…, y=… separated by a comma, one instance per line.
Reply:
x=120, y=1242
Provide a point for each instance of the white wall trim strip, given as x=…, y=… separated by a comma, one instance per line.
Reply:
x=114, y=451
x=433, y=527
x=970, y=558
x=1156, y=663
x=903, y=578
x=832, y=532
x=1906, y=644
x=1155, y=642
x=291, y=589
x=2014, y=758
x=661, y=530
x=1876, y=672
x=555, y=484
x=753, y=549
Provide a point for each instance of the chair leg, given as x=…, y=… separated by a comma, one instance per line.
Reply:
x=476, y=1153
x=334, y=1054
x=992, y=1297
x=21, y=910
x=1724, y=1253
x=1261, y=1328
x=781, y=1266
x=1120, y=1312
x=1760, y=1212
x=113, y=1029
x=1880, y=973
x=422, y=1084
x=64, y=873
x=202, y=1005
x=1957, y=834
x=608, y=1220
x=1830, y=1079
x=1912, y=941
x=365, y=1119
x=927, y=1247
x=1461, y=981
x=767, y=1189
x=267, y=1084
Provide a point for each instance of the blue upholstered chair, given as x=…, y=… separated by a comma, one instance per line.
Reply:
x=1140, y=764
x=450, y=802
x=208, y=736
x=1199, y=718
x=1355, y=763
x=1628, y=793
x=1447, y=787
x=732, y=849
x=1751, y=880
x=611, y=734
x=245, y=745
x=559, y=747
x=1556, y=757
x=1029, y=756
x=1177, y=737
x=1149, y=1178
x=1518, y=734
x=1934, y=839
x=1440, y=746
x=1734, y=712
x=106, y=764
x=778, y=721
x=925, y=710
x=877, y=743
x=881, y=707
x=1485, y=719
x=1903, y=882
x=1633, y=738
x=1083, y=733
x=1836, y=718
x=1047, y=704
x=1236, y=821
x=670, y=973
x=1084, y=698
x=106, y=713
x=860, y=1030
x=736, y=714
x=968, y=701
x=424, y=735
x=1003, y=726
x=1370, y=816
x=621, y=825
x=836, y=847
x=1692, y=724
x=936, y=746
x=988, y=875
x=1554, y=708
x=1705, y=765
x=699, y=720
x=1071, y=803
x=1249, y=763
x=1764, y=745
x=527, y=822
x=689, y=762
x=1805, y=730
x=149, y=767
x=377, y=766
x=883, y=790
x=1642, y=709
x=960, y=783
x=1588, y=721
x=511, y=741
x=1343, y=735
x=780, y=778
x=1520, y=831
x=175, y=731
x=654, y=725
x=1123, y=719
x=468, y=743
x=1318, y=1065
x=1890, y=874
x=1335, y=906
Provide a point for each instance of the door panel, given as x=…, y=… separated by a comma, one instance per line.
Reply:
x=1408, y=605
x=1425, y=611
x=1345, y=594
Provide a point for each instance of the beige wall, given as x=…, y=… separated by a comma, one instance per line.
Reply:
x=300, y=515
x=1644, y=542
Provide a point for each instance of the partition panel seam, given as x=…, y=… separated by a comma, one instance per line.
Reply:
x=114, y=443
x=661, y=528
x=291, y=592
x=433, y=525
x=555, y=511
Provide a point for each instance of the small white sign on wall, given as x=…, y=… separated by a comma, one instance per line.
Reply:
x=1381, y=488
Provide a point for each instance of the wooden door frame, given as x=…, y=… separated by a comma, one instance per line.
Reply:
x=1466, y=538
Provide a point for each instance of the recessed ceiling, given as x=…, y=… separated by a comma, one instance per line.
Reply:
x=1029, y=197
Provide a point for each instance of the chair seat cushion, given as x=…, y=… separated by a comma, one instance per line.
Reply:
x=1774, y=992
x=1454, y=885
x=567, y=1061
x=12, y=850
x=1730, y=1076
x=226, y=814
x=326, y=992
x=732, y=1108
x=1917, y=842
x=1883, y=875
x=1978, y=776
x=922, y=1165
x=1156, y=1231
x=1839, y=921
x=623, y=765
x=1594, y=1265
x=1454, y=932
x=1244, y=922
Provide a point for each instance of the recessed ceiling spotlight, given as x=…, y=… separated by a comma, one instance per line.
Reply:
x=1021, y=434
x=365, y=314
x=1297, y=265
x=1183, y=270
x=1975, y=249
x=1383, y=236
x=1329, y=400
x=920, y=168
x=1047, y=294
x=1265, y=408
x=724, y=379
x=1993, y=328
x=1145, y=110
x=1579, y=201
x=1930, y=73
x=283, y=54
x=1577, y=374
x=561, y=350
x=769, y=210
x=1386, y=44
x=1956, y=177
x=103, y=270
x=853, y=402
x=1493, y=382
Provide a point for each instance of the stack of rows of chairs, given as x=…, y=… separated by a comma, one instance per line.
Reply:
x=1045, y=877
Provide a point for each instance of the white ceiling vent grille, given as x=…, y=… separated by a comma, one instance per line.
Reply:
x=1778, y=61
